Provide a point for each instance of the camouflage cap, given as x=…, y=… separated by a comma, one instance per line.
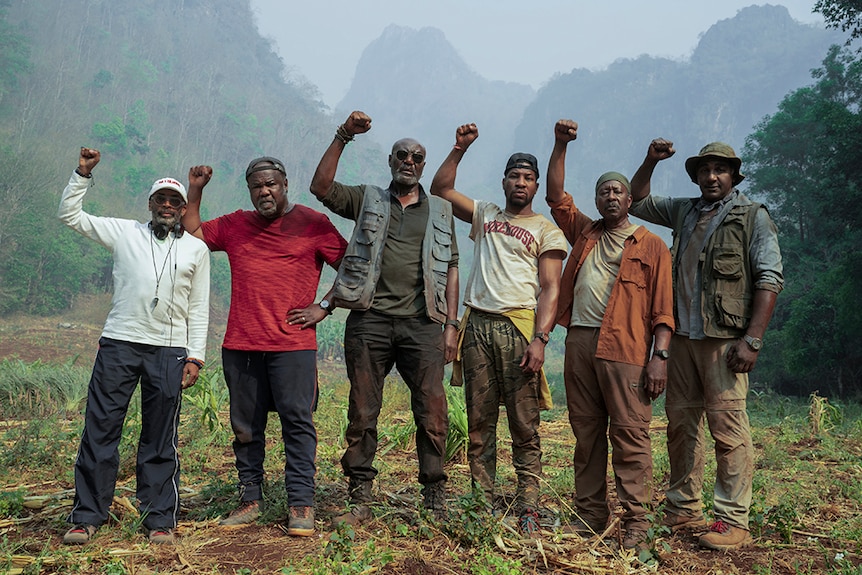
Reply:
x=715, y=150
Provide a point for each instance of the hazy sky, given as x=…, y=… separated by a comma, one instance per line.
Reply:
x=526, y=42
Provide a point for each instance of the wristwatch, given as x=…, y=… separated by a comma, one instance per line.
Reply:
x=754, y=343
x=325, y=306
x=543, y=337
x=661, y=353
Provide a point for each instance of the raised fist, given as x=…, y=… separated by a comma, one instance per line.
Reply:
x=566, y=130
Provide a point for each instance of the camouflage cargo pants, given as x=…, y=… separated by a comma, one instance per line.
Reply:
x=490, y=354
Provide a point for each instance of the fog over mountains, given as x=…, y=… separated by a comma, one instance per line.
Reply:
x=414, y=83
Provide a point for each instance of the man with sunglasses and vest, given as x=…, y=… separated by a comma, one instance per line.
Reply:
x=727, y=274
x=155, y=334
x=511, y=302
x=276, y=252
x=399, y=278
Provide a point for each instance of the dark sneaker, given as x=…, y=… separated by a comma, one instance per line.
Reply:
x=247, y=512
x=300, y=521
x=162, y=536
x=434, y=499
x=79, y=534
x=635, y=539
x=723, y=536
x=676, y=522
x=528, y=522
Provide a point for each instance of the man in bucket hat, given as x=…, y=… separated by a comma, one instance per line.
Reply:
x=155, y=334
x=727, y=274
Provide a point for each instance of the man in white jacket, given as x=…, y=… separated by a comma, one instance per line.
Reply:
x=155, y=333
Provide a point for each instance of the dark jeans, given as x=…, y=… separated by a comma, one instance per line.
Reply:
x=373, y=343
x=118, y=368
x=286, y=382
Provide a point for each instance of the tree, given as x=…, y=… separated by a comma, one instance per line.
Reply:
x=842, y=14
x=804, y=161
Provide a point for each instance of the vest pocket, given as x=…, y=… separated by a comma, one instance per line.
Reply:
x=727, y=264
x=733, y=310
x=351, y=278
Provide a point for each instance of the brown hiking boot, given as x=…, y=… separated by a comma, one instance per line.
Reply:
x=635, y=539
x=247, y=512
x=676, y=522
x=356, y=515
x=584, y=529
x=434, y=499
x=723, y=536
x=359, y=493
x=79, y=534
x=300, y=521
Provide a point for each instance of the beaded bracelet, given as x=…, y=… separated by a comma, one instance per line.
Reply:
x=197, y=362
x=341, y=134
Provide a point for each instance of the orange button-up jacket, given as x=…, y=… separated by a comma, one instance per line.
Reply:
x=642, y=296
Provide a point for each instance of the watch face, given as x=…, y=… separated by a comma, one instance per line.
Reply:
x=754, y=342
x=662, y=353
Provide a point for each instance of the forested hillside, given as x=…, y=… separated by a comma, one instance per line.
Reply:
x=157, y=87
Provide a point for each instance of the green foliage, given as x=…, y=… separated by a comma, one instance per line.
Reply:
x=457, y=439
x=488, y=563
x=14, y=55
x=655, y=544
x=804, y=161
x=471, y=522
x=842, y=14
x=37, y=389
x=11, y=503
x=37, y=442
x=209, y=395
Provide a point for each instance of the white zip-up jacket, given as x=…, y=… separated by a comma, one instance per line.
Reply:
x=179, y=268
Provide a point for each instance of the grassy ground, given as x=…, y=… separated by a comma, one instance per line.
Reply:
x=806, y=515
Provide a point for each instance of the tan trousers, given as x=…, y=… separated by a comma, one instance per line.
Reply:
x=700, y=383
x=598, y=392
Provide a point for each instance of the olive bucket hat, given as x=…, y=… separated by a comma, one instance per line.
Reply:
x=717, y=150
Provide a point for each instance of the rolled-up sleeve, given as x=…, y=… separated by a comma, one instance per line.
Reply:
x=765, y=254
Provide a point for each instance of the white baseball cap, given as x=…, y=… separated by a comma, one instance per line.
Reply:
x=169, y=184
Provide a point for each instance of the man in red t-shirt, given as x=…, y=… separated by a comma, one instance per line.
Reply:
x=276, y=255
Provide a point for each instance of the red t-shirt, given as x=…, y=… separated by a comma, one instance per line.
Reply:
x=275, y=267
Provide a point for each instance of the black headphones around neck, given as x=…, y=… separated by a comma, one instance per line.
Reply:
x=161, y=231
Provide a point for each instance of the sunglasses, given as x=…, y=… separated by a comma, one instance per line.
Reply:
x=418, y=157
x=160, y=199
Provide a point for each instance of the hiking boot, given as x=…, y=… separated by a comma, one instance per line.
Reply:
x=584, y=529
x=247, y=512
x=79, y=534
x=300, y=521
x=162, y=536
x=528, y=522
x=635, y=539
x=723, y=536
x=359, y=511
x=356, y=515
x=675, y=522
x=434, y=499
